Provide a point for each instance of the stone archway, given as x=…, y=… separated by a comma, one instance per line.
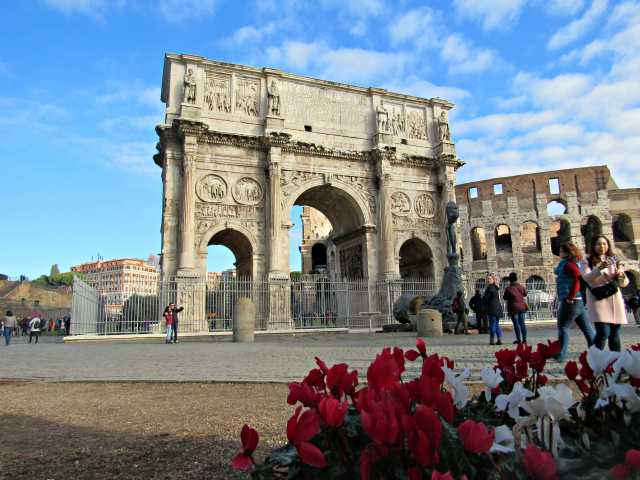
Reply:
x=590, y=227
x=240, y=241
x=559, y=232
x=319, y=256
x=416, y=260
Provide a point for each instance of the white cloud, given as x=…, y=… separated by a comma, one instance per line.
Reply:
x=421, y=88
x=179, y=10
x=462, y=58
x=421, y=26
x=94, y=8
x=492, y=13
x=564, y=7
x=357, y=65
x=578, y=28
x=249, y=34
x=360, y=8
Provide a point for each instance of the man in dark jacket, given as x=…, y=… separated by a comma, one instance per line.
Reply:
x=460, y=308
x=493, y=307
x=481, y=315
x=175, y=311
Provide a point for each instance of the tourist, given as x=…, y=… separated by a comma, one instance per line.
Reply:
x=481, y=315
x=24, y=326
x=460, y=308
x=493, y=307
x=67, y=324
x=171, y=315
x=9, y=323
x=605, y=304
x=571, y=304
x=634, y=304
x=34, y=326
x=517, y=306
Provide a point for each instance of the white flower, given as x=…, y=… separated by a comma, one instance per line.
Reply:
x=503, y=440
x=563, y=394
x=460, y=391
x=630, y=362
x=492, y=379
x=599, y=360
x=513, y=400
x=627, y=393
x=535, y=407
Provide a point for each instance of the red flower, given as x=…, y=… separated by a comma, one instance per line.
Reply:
x=411, y=355
x=315, y=379
x=370, y=454
x=386, y=369
x=249, y=438
x=339, y=380
x=505, y=357
x=524, y=352
x=539, y=463
x=445, y=476
x=623, y=470
x=432, y=368
x=424, y=433
x=322, y=365
x=475, y=437
x=303, y=429
x=538, y=361
x=636, y=348
x=522, y=369
x=542, y=380
x=426, y=390
x=381, y=423
x=303, y=393
x=571, y=370
x=586, y=372
x=415, y=473
x=450, y=363
x=550, y=350
x=332, y=411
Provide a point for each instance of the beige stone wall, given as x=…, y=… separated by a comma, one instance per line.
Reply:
x=520, y=236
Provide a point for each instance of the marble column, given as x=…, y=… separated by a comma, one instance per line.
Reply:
x=386, y=224
x=274, y=229
x=187, y=211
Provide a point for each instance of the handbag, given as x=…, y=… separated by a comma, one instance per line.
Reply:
x=526, y=306
x=604, y=291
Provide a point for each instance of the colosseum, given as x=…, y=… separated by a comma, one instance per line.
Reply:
x=516, y=224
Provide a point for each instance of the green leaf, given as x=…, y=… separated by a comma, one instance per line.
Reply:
x=635, y=475
x=353, y=423
x=451, y=456
x=513, y=469
x=292, y=472
x=263, y=472
x=590, y=474
x=282, y=456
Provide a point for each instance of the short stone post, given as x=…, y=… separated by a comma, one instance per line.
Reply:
x=429, y=323
x=244, y=317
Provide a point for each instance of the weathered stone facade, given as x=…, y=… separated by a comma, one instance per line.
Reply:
x=505, y=226
x=240, y=146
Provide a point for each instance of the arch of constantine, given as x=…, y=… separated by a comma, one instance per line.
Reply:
x=241, y=146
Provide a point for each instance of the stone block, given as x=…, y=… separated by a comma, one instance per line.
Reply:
x=405, y=306
x=429, y=323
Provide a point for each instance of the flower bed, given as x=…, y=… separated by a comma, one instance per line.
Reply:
x=519, y=428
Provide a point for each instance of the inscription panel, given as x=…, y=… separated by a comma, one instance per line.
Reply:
x=228, y=211
x=308, y=104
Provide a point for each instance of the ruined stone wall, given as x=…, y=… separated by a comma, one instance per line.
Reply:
x=505, y=226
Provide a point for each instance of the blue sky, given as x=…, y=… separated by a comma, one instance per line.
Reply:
x=538, y=85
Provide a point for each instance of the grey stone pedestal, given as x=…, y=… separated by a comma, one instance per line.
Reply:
x=244, y=315
x=429, y=323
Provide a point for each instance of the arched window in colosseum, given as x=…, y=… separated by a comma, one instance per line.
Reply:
x=623, y=237
x=560, y=232
x=589, y=227
x=416, y=260
x=503, y=239
x=535, y=282
x=478, y=244
x=530, y=237
x=556, y=207
x=481, y=284
x=504, y=283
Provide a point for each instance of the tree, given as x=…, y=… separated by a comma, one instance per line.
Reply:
x=153, y=260
x=55, y=270
x=64, y=278
x=295, y=275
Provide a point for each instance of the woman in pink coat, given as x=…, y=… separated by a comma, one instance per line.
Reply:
x=606, y=314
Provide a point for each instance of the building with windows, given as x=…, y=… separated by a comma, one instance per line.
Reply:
x=121, y=278
x=517, y=224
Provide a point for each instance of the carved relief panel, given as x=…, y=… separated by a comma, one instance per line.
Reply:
x=400, y=204
x=211, y=188
x=228, y=211
x=351, y=262
x=416, y=123
x=247, y=191
x=396, y=120
x=247, y=96
x=425, y=206
x=217, y=94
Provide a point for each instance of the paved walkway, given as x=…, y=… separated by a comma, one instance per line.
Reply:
x=268, y=359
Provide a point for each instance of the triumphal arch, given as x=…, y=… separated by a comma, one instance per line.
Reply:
x=241, y=146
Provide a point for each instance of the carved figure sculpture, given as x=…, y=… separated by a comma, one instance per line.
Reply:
x=189, y=87
x=443, y=127
x=383, y=117
x=450, y=229
x=274, y=99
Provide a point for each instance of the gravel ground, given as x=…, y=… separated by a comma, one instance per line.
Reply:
x=151, y=431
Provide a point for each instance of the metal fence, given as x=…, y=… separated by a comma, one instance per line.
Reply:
x=311, y=302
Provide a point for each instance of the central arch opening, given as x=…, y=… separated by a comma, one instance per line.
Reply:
x=416, y=259
x=240, y=247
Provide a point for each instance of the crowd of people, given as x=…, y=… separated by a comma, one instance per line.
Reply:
x=588, y=292
x=32, y=327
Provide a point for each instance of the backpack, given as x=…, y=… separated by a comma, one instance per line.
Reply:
x=632, y=302
x=36, y=324
x=454, y=306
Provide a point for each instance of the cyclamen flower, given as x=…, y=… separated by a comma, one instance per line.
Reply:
x=571, y=370
x=511, y=403
x=475, y=437
x=503, y=440
x=386, y=369
x=332, y=411
x=492, y=379
x=623, y=470
x=630, y=362
x=460, y=390
x=302, y=429
x=557, y=402
x=599, y=360
x=411, y=355
x=623, y=391
x=539, y=463
x=370, y=454
x=445, y=476
x=249, y=437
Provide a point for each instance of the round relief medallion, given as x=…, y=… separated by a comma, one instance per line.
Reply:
x=425, y=206
x=247, y=191
x=211, y=188
x=400, y=204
